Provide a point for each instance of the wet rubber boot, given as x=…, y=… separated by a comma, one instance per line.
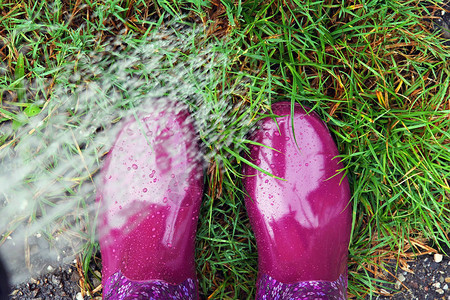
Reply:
x=149, y=194
x=302, y=223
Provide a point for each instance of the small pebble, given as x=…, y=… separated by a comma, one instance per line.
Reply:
x=384, y=292
x=437, y=285
x=438, y=257
x=75, y=277
x=445, y=287
x=79, y=297
x=56, y=280
x=401, y=277
x=50, y=268
x=440, y=291
x=447, y=279
x=96, y=282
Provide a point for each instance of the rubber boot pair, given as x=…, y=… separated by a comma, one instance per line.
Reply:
x=151, y=191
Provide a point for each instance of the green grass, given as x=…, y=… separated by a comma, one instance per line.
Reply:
x=374, y=70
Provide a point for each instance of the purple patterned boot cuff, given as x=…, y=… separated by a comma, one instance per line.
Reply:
x=269, y=288
x=118, y=287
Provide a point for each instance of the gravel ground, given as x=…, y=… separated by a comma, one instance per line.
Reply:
x=62, y=283
x=429, y=279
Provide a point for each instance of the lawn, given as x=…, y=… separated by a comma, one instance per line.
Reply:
x=376, y=71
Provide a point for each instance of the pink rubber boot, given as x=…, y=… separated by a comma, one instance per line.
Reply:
x=150, y=193
x=302, y=225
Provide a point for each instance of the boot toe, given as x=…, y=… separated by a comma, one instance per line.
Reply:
x=150, y=191
x=302, y=223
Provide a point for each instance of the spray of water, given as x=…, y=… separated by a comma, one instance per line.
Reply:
x=49, y=165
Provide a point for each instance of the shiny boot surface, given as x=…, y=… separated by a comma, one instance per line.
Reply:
x=149, y=194
x=302, y=223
